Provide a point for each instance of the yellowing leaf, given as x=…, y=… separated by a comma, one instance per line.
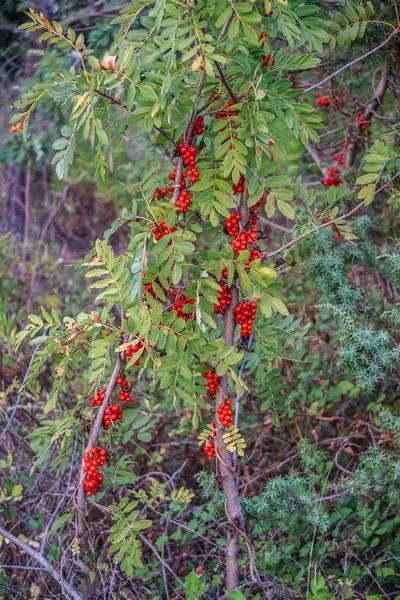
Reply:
x=198, y=63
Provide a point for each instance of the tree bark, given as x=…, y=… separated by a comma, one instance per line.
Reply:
x=233, y=507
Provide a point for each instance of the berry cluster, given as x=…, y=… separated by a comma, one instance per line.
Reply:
x=124, y=394
x=188, y=153
x=237, y=188
x=131, y=350
x=93, y=459
x=328, y=181
x=225, y=413
x=243, y=239
x=162, y=229
x=225, y=111
x=179, y=304
x=254, y=255
x=159, y=194
x=263, y=35
x=232, y=224
x=254, y=209
x=98, y=398
x=245, y=314
x=268, y=61
x=212, y=381
x=324, y=101
x=149, y=287
x=362, y=121
x=224, y=299
x=112, y=414
x=209, y=448
x=183, y=202
x=339, y=158
x=198, y=126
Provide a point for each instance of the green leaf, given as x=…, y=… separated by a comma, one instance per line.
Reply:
x=285, y=209
x=194, y=587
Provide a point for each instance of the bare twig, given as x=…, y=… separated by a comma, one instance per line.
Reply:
x=27, y=196
x=328, y=223
x=67, y=589
x=353, y=62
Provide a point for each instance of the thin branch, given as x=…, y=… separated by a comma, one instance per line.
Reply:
x=19, y=395
x=226, y=83
x=94, y=434
x=328, y=223
x=119, y=103
x=68, y=590
x=353, y=62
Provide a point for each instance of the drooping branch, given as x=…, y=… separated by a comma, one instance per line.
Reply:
x=352, y=63
x=328, y=223
x=67, y=589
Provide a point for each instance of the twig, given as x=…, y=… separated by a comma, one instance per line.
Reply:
x=94, y=434
x=328, y=223
x=119, y=103
x=27, y=195
x=19, y=395
x=68, y=590
x=154, y=550
x=353, y=62
x=226, y=83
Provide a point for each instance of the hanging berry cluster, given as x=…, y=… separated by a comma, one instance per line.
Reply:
x=98, y=398
x=332, y=179
x=124, y=394
x=112, y=414
x=183, y=202
x=237, y=188
x=93, y=459
x=245, y=315
x=178, y=305
x=268, y=61
x=339, y=158
x=363, y=122
x=225, y=111
x=209, y=448
x=254, y=211
x=225, y=414
x=162, y=229
x=232, y=224
x=131, y=351
x=224, y=299
x=324, y=101
x=212, y=381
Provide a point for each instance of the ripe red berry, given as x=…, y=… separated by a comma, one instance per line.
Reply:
x=224, y=299
x=268, y=61
x=245, y=314
x=225, y=414
x=212, y=381
x=93, y=459
x=178, y=305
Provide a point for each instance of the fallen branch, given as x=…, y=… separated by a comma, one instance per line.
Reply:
x=68, y=590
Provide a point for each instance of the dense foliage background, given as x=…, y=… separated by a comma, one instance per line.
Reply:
x=317, y=383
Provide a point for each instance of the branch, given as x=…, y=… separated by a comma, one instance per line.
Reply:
x=226, y=83
x=119, y=103
x=368, y=112
x=328, y=223
x=68, y=590
x=353, y=62
x=94, y=434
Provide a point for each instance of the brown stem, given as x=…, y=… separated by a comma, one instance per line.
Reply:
x=226, y=83
x=233, y=508
x=27, y=195
x=94, y=434
x=67, y=589
x=328, y=223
